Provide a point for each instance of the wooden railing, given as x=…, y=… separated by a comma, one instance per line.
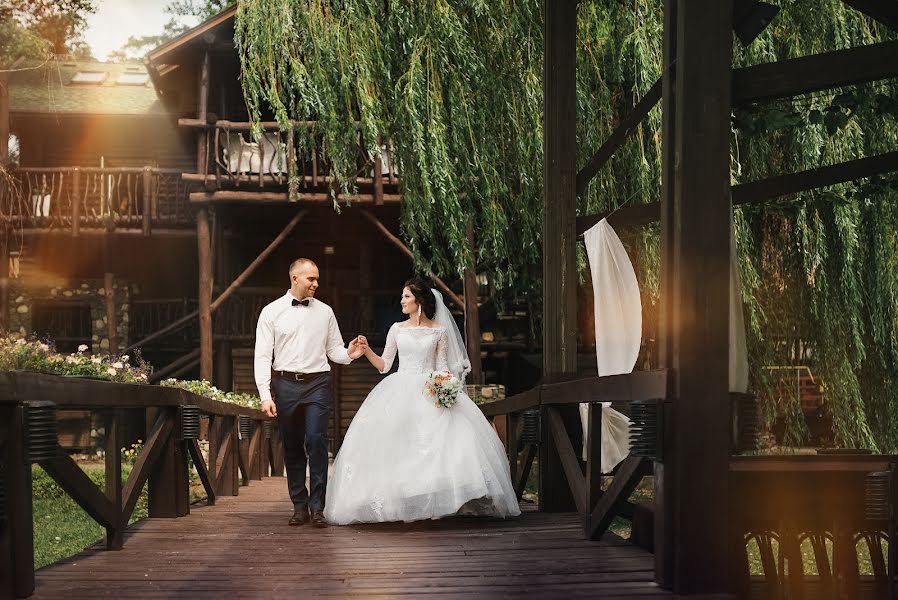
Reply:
x=131, y=198
x=172, y=417
x=235, y=160
x=835, y=502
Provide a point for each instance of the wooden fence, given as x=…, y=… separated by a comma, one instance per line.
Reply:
x=843, y=505
x=243, y=445
x=76, y=198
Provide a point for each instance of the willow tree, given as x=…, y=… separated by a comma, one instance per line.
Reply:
x=455, y=85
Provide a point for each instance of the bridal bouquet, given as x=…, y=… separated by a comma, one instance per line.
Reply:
x=443, y=387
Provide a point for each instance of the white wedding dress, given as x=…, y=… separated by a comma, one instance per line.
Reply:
x=405, y=459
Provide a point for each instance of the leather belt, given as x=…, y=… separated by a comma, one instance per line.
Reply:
x=299, y=376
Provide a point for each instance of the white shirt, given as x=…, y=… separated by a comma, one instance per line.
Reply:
x=299, y=339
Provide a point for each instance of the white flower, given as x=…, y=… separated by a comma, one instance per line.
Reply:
x=72, y=359
x=82, y=348
x=44, y=347
x=111, y=371
x=96, y=360
x=118, y=364
x=143, y=376
x=125, y=358
x=20, y=342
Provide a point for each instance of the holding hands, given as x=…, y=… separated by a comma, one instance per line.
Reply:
x=358, y=347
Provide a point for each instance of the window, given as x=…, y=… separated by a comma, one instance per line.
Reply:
x=132, y=79
x=67, y=324
x=89, y=77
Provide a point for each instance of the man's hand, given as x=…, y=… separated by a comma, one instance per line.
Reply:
x=269, y=409
x=357, y=347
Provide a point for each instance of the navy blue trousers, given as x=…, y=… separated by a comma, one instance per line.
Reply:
x=304, y=409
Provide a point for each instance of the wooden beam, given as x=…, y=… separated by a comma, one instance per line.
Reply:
x=701, y=217
x=614, y=500
x=472, y=312
x=115, y=535
x=512, y=404
x=202, y=138
x=663, y=481
x=75, y=482
x=405, y=250
x=196, y=454
x=618, y=136
x=258, y=260
x=5, y=234
x=639, y=385
x=160, y=435
x=559, y=238
x=881, y=10
x=787, y=78
x=231, y=196
x=203, y=238
x=569, y=461
x=756, y=192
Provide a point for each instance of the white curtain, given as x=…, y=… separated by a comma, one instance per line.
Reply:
x=618, y=328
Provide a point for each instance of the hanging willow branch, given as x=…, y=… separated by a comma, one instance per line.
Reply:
x=456, y=87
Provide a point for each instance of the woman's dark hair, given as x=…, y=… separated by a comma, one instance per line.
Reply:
x=420, y=289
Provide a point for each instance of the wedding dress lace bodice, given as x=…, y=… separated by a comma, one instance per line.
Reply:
x=421, y=349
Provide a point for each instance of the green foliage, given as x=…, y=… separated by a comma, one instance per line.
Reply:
x=204, y=388
x=36, y=29
x=21, y=354
x=455, y=85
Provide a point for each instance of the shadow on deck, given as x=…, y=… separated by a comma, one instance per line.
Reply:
x=243, y=548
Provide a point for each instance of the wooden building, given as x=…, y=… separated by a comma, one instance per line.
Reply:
x=145, y=180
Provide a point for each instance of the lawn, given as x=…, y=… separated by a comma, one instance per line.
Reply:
x=62, y=528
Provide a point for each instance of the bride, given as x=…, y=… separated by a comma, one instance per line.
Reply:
x=405, y=459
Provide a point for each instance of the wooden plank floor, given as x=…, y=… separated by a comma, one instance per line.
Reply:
x=243, y=548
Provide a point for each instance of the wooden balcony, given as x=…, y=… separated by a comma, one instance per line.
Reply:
x=233, y=167
x=78, y=200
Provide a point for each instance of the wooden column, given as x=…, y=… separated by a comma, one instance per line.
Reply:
x=4, y=118
x=664, y=479
x=205, y=291
x=113, y=423
x=559, y=236
x=108, y=286
x=17, y=532
x=4, y=279
x=472, y=313
x=700, y=223
x=202, y=112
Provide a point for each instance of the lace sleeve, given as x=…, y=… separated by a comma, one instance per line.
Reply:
x=443, y=352
x=389, y=354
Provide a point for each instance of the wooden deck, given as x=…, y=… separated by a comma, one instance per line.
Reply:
x=243, y=548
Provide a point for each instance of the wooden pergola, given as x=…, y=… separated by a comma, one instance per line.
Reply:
x=698, y=89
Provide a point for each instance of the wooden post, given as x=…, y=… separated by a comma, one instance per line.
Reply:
x=699, y=330
x=147, y=199
x=664, y=472
x=114, y=421
x=17, y=533
x=108, y=285
x=4, y=279
x=4, y=119
x=559, y=237
x=168, y=486
x=202, y=113
x=205, y=292
x=472, y=312
x=76, y=202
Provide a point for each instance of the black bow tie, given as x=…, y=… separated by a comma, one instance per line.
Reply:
x=304, y=302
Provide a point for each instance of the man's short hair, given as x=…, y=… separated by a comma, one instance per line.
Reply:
x=300, y=262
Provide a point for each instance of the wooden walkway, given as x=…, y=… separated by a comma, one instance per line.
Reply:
x=242, y=548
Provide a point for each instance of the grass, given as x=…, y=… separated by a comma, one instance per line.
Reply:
x=62, y=528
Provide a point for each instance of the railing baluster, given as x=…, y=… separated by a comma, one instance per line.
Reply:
x=76, y=202
x=147, y=199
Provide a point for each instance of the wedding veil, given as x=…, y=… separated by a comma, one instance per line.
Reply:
x=459, y=363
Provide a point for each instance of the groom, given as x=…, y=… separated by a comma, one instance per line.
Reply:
x=295, y=336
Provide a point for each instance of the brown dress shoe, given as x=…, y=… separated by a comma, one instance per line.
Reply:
x=300, y=517
x=318, y=519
